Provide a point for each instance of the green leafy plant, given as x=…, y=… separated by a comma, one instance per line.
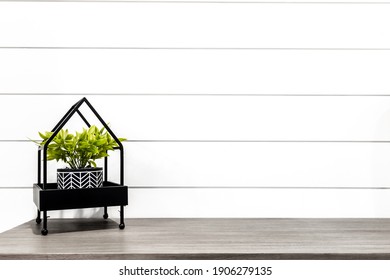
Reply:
x=79, y=150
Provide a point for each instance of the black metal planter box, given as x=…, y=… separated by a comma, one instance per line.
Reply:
x=52, y=198
x=48, y=197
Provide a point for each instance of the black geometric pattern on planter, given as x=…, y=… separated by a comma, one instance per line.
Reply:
x=79, y=179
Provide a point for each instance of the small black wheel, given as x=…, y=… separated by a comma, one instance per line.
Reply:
x=121, y=226
x=105, y=216
x=38, y=220
x=44, y=231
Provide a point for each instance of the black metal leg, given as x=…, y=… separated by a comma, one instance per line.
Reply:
x=105, y=215
x=122, y=221
x=38, y=220
x=44, y=230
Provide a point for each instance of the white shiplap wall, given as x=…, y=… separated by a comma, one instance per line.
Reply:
x=231, y=109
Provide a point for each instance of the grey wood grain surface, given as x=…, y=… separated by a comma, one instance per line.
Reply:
x=200, y=239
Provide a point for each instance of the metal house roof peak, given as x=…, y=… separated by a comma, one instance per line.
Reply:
x=75, y=109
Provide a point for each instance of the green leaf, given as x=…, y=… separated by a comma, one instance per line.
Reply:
x=101, y=142
x=43, y=136
x=80, y=149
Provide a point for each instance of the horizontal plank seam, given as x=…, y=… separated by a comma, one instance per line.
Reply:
x=258, y=187
x=191, y=48
x=231, y=187
x=196, y=94
x=209, y=2
x=229, y=141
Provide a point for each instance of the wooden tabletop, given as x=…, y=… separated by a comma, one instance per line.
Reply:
x=200, y=239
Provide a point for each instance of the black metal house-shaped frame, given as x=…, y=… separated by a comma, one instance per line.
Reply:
x=48, y=197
